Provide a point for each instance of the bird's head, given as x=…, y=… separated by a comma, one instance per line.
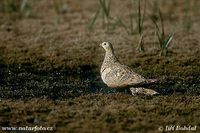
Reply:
x=107, y=46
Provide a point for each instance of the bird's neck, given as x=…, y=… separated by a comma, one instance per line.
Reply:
x=110, y=57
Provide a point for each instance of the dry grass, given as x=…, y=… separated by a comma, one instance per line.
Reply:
x=70, y=39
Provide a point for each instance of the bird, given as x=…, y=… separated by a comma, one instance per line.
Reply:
x=117, y=75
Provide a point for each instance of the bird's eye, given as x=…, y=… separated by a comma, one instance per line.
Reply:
x=104, y=44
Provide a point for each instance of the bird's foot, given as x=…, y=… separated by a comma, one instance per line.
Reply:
x=143, y=91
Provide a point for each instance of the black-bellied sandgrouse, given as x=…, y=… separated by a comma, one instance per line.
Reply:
x=116, y=75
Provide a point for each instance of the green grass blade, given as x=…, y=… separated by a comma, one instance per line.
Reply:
x=156, y=25
x=162, y=24
x=131, y=17
x=9, y=6
x=104, y=7
x=159, y=39
x=140, y=44
x=108, y=7
x=91, y=25
x=25, y=8
x=168, y=41
x=139, y=18
x=23, y=5
x=143, y=16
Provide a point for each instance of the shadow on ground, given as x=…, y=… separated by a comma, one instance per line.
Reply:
x=23, y=81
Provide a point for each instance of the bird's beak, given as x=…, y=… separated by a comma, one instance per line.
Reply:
x=100, y=44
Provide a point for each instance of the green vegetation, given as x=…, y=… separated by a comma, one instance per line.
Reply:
x=140, y=21
x=164, y=40
x=16, y=8
x=154, y=10
x=140, y=17
x=60, y=6
x=104, y=11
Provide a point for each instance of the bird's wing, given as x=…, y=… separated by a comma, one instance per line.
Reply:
x=119, y=75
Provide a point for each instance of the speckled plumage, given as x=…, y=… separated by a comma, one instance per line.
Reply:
x=116, y=75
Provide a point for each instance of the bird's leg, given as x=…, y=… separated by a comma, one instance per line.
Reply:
x=143, y=91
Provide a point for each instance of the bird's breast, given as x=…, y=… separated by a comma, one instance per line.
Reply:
x=104, y=74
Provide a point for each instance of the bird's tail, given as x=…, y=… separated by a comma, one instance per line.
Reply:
x=143, y=91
